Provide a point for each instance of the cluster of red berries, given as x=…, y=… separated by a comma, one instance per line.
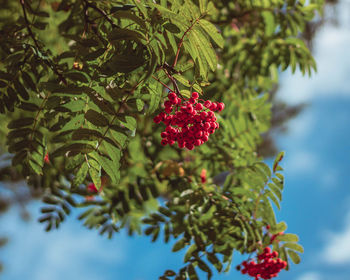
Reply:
x=188, y=122
x=267, y=267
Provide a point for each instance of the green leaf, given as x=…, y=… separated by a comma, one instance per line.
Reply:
x=28, y=106
x=280, y=227
x=205, y=49
x=110, y=167
x=76, y=147
x=215, y=261
x=294, y=256
x=179, y=245
x=21, y=90
x=75, y=106
x=95, y=173
x=182, y=80
x=270, y=194
x=80, y=175
x=96, y=118
x=213, y=32
x=172, y=27
x=79, y=76
x=294, y=246
x=20, y=123
x=28, y=81
x=192, y=272
x=35, y=167
x=155, y=98
x=203, y=6
x=86, y=134
x=269, y=20
x=290, y=237
x=189, y=252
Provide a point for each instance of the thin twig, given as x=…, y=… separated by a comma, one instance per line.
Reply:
x=103, y=13
x=31, y=34
x=159, y=81
x=116, y=114
x=174, y=83
x=182, y=40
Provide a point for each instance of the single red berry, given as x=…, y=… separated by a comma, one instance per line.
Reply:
x=207, y=104
x=156, y=119
x=192, y=100
x=198, y=142
x=189, y=146
x=213, y=106
x=220, y=106
x=167, y=104
x=168, y=110
x=203, y=175
x=204, y=115
x=46, y=158
x=172, y=95
x=199, y=107
x=195, y=95
x=92, y=188
x=267, y=250
x=164, y=142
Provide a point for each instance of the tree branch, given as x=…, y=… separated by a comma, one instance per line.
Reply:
x=103, y=13
x=31, y=34
x=182, y=39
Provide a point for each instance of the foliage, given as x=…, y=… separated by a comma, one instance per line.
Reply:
x=81, y=81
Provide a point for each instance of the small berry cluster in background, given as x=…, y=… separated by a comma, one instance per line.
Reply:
x=268, y=265
x=188, y=122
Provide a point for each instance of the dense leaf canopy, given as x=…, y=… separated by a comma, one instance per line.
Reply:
x=80, y=83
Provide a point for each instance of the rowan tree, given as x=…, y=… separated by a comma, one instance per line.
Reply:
x=148, y=117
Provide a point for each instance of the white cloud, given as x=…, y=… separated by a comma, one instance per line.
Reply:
x=310, y=276
x=72, y=252
x=301, y=127
x=300, y=162
x=333, y=63
x=337, y=248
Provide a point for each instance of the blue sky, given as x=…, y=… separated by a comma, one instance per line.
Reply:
x=316, y=201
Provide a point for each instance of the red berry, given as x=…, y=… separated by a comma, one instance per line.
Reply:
x=92, y=188
x=199, y=107
x=220, y=107
x=213, y=106
x=172, y=95
x=195, y=95
x=46, y=158
x=198, y=142
x=192, y=100
x=167, y=104
x=207, y=104
x=156, y=119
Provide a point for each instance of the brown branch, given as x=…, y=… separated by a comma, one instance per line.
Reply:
x=103, y=13
x=174, y=83
x=159, y=81
x=182, y=40
x=115, y=116
x=31, y=34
